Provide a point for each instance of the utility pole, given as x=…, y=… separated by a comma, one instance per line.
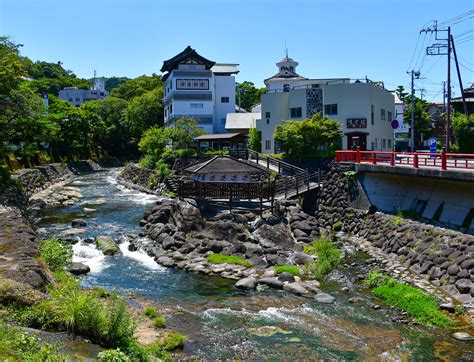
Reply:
x=422, y=93
x=444, y=96
x=466, y=110
x=412, y=128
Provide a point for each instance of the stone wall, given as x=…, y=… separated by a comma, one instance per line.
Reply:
x=140, y=178
x=443, y=256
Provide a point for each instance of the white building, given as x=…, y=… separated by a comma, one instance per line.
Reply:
x=241, y=122
x=77, y=96
x=364, y=109
x=199, y=88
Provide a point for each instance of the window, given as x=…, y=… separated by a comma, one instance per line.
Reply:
x=197, y=105
x=267, y=114
x=192, y=83
x=384, y=144
x=268, y=121
x=171, y=108
x=372, y=114
x=224, y=99
x=389, y=116
x=268, y=144
x=295, y=112
x=78, y=99
x=375, y=144
x=382, y=114
x=389, y=143
x=286, y=88
x=330, y=109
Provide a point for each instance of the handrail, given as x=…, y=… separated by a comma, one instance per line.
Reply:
x=441, y=160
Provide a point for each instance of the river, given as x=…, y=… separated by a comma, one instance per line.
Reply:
x=224, y=323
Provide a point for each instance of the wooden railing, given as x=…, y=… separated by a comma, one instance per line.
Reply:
x=443, y=160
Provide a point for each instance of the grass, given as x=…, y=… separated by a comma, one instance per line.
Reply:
x=55, y=253
x=292, y=269
x=159, y=322
x=229, y=259
x=16, y=345
x=328, y=257
x=337, y=226
x=423, y=308
x=150, y=312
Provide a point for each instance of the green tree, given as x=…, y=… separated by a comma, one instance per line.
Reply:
x=153, y=144
x=400, y=91
x=308, y=138
x=255, y=140
x=184, y=131
x=423, y=123
x=463, y=132
x=137, y=87
x=249, y=95
x=145, y=111
x=114, y=82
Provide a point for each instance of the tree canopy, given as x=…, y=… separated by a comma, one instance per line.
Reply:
x=463, y=132
x=308, y=138
x=249, y=95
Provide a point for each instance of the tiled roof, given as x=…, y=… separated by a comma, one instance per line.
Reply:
x=170, y=64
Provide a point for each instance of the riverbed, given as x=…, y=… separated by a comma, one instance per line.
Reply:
x=224, y=323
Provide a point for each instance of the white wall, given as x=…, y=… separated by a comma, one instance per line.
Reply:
x=224, y=87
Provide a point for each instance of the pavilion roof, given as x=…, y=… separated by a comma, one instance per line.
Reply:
x=219, y=164
x=188, y=53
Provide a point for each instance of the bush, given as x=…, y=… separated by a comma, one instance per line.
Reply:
x=221, y=259
x=337, y=226
x=16, y=345
x=292, y=269
x=328, y=257
x=216, y=153
x=150, y=312
x=159, y=322
x=112, y=355
x=54, y=253
x=423, y=308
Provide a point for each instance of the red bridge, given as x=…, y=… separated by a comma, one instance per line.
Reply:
x=442, y=161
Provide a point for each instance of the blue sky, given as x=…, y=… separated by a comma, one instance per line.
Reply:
x=346, y=38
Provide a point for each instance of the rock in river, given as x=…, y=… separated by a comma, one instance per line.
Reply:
x=78, y=268
x=296, y=288
x=106, y=245
x=271, y=282
x=324, y=298
x=247, y=283
x=78, y=223
x=463, y=336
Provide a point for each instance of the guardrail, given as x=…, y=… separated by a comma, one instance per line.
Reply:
x=443, y=160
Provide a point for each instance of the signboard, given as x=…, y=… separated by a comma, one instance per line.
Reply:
x=395, y=124
x=403, y=128
x=433, y=146
x=357, y=123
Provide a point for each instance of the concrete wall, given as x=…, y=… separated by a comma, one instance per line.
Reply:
x=391, y=192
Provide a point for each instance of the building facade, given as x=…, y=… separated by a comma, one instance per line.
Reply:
x=364, y=109
x=198, y=87
x=76, y=96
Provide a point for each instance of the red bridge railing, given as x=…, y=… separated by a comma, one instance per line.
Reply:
x=442, y=160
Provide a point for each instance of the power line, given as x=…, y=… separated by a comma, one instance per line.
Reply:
x=456, y=18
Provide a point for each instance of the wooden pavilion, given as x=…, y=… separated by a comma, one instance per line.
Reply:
x=224, y=178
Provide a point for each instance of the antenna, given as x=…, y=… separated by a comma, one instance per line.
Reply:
x=286, y=50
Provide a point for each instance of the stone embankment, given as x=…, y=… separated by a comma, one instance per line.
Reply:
x=141, y=179
x=437, y=257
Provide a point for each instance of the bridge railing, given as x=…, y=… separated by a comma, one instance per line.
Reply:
x=443, y=160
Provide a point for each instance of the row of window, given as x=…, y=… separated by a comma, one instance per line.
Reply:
x=386, y=143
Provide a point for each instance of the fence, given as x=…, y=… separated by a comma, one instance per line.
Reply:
x=443, y=160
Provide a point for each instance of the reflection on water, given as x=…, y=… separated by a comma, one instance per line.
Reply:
x=220, y=320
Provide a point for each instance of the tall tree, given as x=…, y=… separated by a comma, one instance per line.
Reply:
x=463, y=132
x=249, y=95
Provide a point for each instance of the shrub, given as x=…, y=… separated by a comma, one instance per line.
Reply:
x=16, y=345
x=159, y=322
x=112, y=355
x=423, y=308
x=54, y=253
x=292, y=269
x=163, y=170
x=337, y=226
x=150, y=312
x=216, y=153
x=221, y=259
x=328, y=257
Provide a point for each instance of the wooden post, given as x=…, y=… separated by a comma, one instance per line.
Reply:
x=444, y=163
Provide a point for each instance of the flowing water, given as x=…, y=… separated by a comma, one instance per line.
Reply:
x=223, y=323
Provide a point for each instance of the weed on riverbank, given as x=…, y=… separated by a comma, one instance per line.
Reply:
x=423, y=308
x=229, y=259
x=328, y=257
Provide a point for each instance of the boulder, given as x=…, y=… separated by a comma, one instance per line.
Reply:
x=274, y=235
x=187, y=216
x=271, y=282
x=106, y=245
x=286, y=277
x=165, y=260
x=464, y=285
x=296, y=288
x=248, y=283
x=77, y=223
x=78, y=268
x=324, y=298
x=462, y=336
x=300, y=258
x=258, y=262
x=12, y=291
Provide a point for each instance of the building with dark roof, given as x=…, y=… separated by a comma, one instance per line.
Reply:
x=200, y=88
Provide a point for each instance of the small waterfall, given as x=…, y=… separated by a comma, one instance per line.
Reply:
x=141, y=257
x=91, y=256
